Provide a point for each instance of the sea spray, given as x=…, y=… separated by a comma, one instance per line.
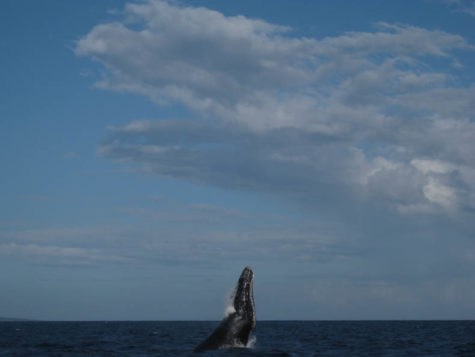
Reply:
x=229, y=309
x=252, y=342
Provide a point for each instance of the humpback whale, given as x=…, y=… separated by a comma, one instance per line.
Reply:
x=236, y=327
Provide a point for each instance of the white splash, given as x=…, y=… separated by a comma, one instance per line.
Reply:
x=252, y=342
x=230, y=303
x=236, y=344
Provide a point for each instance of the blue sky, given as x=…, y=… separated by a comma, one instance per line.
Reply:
x=152, y=149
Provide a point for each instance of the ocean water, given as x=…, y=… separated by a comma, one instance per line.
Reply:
x=272, y=338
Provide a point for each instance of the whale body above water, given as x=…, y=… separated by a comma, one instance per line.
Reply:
x=236, y=328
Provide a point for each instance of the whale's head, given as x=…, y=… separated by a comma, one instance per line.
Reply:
x=243, y=298
x=236, y=327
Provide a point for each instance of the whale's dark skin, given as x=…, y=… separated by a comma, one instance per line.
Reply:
x=236, y=328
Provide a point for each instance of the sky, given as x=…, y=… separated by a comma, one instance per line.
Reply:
x=150, y=150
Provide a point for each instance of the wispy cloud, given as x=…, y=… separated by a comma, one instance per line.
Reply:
x=71, y=155
x=57, y=255
x=171, y=232
x=463, y=6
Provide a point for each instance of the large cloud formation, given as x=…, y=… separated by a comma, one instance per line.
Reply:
x=377, y=116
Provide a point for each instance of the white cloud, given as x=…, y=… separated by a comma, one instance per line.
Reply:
x=432, y=166
x=247, y=70
x=363, y=111
x=439, y=193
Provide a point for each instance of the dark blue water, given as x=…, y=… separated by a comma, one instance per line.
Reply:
x=280, y=338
